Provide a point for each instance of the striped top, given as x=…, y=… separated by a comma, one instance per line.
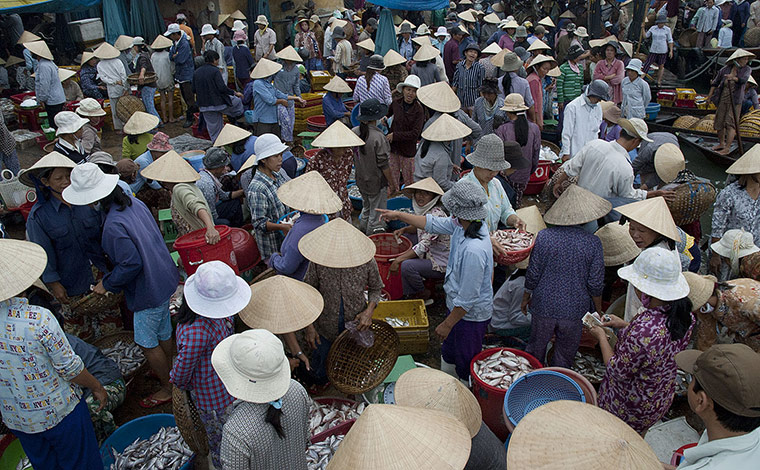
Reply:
x=569, y=83
x=467, y=81
x=379, y=88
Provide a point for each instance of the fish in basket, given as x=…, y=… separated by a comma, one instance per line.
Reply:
x=501, y=368
x=517, y=243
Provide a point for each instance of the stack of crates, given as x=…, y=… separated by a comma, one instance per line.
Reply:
x=319, y=79
x=313, y=108
x=666, y=98
x=686, y=98
x=414, y=336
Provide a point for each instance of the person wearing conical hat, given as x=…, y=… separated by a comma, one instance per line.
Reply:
x=47, y=83
x=113, y=73
x=729, y=84
x=287, y=80
x=71, y=89
x=88, y=81
x=266, y=98
x=332, y=103
x=518, y=128
x=155, y=196
x=751, y=101
x=307, y=40
x=426, y=65
x=161, y=63
x=182, y=55
x=538, y=69
x=138, y=134
x=90, y=109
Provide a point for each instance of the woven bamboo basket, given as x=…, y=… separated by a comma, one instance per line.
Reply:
x=705, y=125
x=108, y=341
x=749, y=124
x=127, y=106
x=750, y=266
x=189, y=422
x=353, y=369
x=685, y=122
x=752, y=37
x=547, y=194
x=691, y=201
x=134, y=79
x=96, y=303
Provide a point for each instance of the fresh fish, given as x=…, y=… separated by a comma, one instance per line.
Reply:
x=319, y=454
x=501, y=368
x=128, y=356
x=589, y=366
x=325, y=416
x=396, y=321
x=291, y=220
x=383, y=297
x=513, y=240
x=163, y=450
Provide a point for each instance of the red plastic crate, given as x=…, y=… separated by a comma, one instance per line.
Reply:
x=686, y=104
x=18, y=99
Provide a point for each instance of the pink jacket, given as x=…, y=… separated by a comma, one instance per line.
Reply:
x=603, y=68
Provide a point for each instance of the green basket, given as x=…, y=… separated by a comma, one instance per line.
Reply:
x=168, y=229
x=307, y=138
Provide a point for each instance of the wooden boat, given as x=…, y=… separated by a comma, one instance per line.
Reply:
x=711, y=51
x=685, y=111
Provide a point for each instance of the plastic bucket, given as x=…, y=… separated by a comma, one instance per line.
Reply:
x=194, y=251
x=539, y=178
x=316, y=123
x=387, y=251
x=491, y=399
x=311, y=153
x=194, y=158
x=395, y=204
x=653, y=109
x=246, y=250
x=142, y=428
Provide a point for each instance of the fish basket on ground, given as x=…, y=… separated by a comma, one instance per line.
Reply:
x=13, y=192
x=353, y=369
x=93, y=303
x=127, y=106
x=691, y=200
x=126, y=337
x=538, y=388
x=514, y=257
x=413, y=333
x=148, y=79
x=189, y=421
x=342, y=426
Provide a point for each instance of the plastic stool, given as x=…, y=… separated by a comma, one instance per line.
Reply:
x=29, y=118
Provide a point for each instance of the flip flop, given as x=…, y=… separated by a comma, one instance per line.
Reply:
x=150, y=402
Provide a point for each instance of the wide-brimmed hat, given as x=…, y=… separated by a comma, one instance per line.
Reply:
x=617, y=244
x=88, y=185
x=170, y=168
x=338, y=32
x=281, y=304
x=214, y=291
x=735, y=244
x=262, y=19
x=392, y=58
x=577, y=206
x=489, y=154
x=611, y=112
x=657, y=273
x=172, y=29
x=635, y=65
x=510, y=24
x=239, y=27
x=102, y=158
x=337, y=244
x=427, y=184
x=49, y=161
x=538, y=45
x=472, y=46
x=337, y=136
x=423, y=30
x=599, y=89
x=90, y=107
x=445, y=128
x=252, y=366
x=668, y=162
x=512, y=62
x=412, y=81
x=161, y=42
x=159, y=143
x=701, y=288
x=436, y=390
x=403, y=437
x=230, y=134
x=654, y=214
x=467, y=16
x=514, y=103
x=123, y=42
x=265, y=68
x=289, y=53
x=21, y=264
x=26, y=37
x=492, y=48
x=138, y=41
x=266, y=146
x=751, y=81
x=546, y=21
x=442, y=31
x=581, y=32
x=466, y=200
x=140, y=123
x=208, y=30
x=39, y=48
x=439, y=97
x=309, y=193
x=426, y=52
x=602, y=441
x=13, y=60
x=368, y=45
x=337, y=85
x=376, y=62
x=106, y=51
x=522, y=32
x=541, y=59
x=372, y=109
x=635, y=127
x=238, y=15
x=422, y=41
x=747, y=164
x=68, y=122
x=405, y=28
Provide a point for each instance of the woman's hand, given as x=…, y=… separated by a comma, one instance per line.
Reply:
x=99, y=289
x=305, y=360
x=59, y=292
x=497, y=248
x=443, y=330
x=311, y=336
x=401, y=231
x=598, y=333
x=285, y=228
x=613, y=321
x=293, y=363
x=100, y=394
x=389, y=137
x=212, y=236
x=365, y=320
x=387, y=216
x=516, y=222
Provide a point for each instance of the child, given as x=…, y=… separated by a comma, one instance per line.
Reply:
x=705, y=21
x=661, y=48
x=609, y=130
x=750, y=97
x=636, y=92
x=303, y=80
x=726, y=35
x=163, y=68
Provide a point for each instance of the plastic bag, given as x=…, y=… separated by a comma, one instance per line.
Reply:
x=364, y=338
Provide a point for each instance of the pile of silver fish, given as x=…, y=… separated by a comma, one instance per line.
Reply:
x=318, y=455
x=502, y=368
x=128, y=356
x=396, y=321
x=164, y=450
x=589, y=366
x=24, y=464
x=513, y=240
x=325, y=416
x=353, y=191
x=291, y=219
x=352, y=175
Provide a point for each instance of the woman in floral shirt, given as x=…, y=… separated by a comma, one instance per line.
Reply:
x=639, y=383
x=305, y=39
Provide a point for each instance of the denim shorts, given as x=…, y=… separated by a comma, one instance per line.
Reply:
x=152, y=325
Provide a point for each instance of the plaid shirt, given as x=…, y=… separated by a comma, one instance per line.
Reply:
x=265, y=207
x=192, y=369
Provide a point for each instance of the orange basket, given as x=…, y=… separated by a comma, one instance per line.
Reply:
x=514, y=257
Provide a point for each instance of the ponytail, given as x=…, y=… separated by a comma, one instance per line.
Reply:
x=473, y=231
x=363, y=132
x=679, y=318
x=521, y=129
x=424, y=149
x=368, y=76
x=273, y=417
x=506, y=83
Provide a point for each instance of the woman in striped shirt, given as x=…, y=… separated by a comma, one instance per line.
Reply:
x=468, y=77
x=373, y=84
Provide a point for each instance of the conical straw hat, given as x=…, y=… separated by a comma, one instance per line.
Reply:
x=26, y=36
x=40, y=48
x=51, y=160
x=701, y=288
x=140, y=123
x=492, y=18
x=498, y=58
x=426, y=52
x=467, y=16
x=592, y=439
x=421, y=40
x=739, y=53
x=439, y=97
x=238, y=15
x=265, y=68
x=337, y=136
x=668, y=161
x=577, y=206
x=539, y=45
x=230, y=134
x=436, y=390
x=428, y=184
x=555, y=72
x=310, y=193
x=446, y=128
x=161, y=42
x=123, y=42
x=65, y=74
x=747, y=164
x=21, y=263
x=337, y=244
x=493, y=48
x=394, y=437
x=13, y=60
x=289, y=53
x=338, y=85
x=534, y=223
x=392, y=58
x=367, y=44
x=106, y=51
x=281, y=305
x=171, y=168
x=617, y=244
x=654, y=214
x=86, y=56
x=547, y=22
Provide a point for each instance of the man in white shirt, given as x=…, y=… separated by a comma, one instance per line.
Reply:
x=582, y=119
x=725, y=393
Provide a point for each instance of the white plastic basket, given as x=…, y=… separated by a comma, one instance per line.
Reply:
x=12, y=191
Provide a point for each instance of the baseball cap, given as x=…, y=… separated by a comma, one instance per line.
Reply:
x=729, y=374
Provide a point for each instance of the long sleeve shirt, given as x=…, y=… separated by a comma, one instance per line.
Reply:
x=70, y=236
x=738, y=86
x=289, y=261
x=408, y=120
x=569, y=83
x=263, y=44
x=636, y=98
x=379, y=88
x=467, y=81
x=37, y=365
x=182, y=56
x=581, y=125
x=143, y=161
x=725, y=38
x=342, y=57
x=47, y=85
x=112, y=72
x=265, y=97
x=707, y=19
x=243, y=61
x=193, y=370
x=734, y=209
x=450, y=57
x=604, y=169
x=88, y=82
x=132, y=151
x=661, y=37
x=188, y=200
x=433, y=246
x=484, y=115
x=617, y=68
x=143, y=268
x=333, y=108
x=265, y=207
x=530, y=151
x=566, y=270
x=499, y=207
x=371, y=160
x=212, y=191
x=288, y=81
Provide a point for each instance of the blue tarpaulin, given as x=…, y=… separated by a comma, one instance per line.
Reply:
x=51, y=6
x=115, y=19
x=418, y=5
x=146, y=19
x=385, y=38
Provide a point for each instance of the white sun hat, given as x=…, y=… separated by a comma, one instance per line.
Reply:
x=208, y=30
x=734, y=245
x=657, y=273
x=412, y=81
x=90, y=107
x=214, y=291
x=171, y=29
x=88, y=185
x=68, y=122
x=268, y=145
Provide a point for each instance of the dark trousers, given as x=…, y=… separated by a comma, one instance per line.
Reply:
x=230, y=213
x=290, y=166
x=52, y=110
x=464, y=341
x=261, y=128
x=186, y=88
x=567, y=335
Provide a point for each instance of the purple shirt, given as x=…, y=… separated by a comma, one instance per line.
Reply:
x=610, y=134
x=530, y=151
x=289, y=261
x=566, y=270
x=450, y=56
x=506, y=42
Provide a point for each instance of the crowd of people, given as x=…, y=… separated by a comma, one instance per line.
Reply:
x=451, y=117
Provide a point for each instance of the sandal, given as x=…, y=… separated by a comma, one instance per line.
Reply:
x=150, y=402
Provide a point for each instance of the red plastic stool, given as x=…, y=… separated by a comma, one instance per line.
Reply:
x=29, y=118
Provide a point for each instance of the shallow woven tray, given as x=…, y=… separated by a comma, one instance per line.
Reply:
x=189, y=421
x=95, y=303
x=108, y=341
x=127, y=106
x=353, y=369
x=133, y=79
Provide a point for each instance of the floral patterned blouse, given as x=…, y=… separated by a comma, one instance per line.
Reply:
x=336, y=173
x=639, y=384
x=734, y=208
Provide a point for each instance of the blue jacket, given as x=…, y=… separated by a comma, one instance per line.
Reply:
x=88, y=82
x=333, y=108
x=182, y=57
x=143, y=268
x=209, y=87
x=289, y=261
x=243, y=61
x=265, y=95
